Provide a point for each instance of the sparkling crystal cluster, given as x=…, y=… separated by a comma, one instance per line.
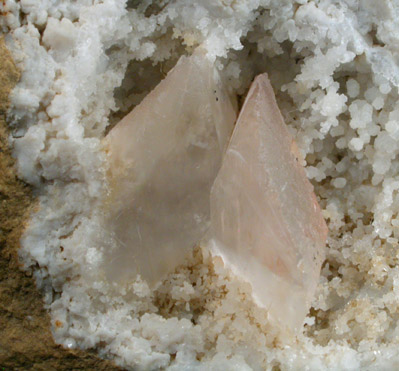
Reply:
x=176, y=175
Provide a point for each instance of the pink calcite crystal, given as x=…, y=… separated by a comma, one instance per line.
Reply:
x=163, y=159
x=266, y=223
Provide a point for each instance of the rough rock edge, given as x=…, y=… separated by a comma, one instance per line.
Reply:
x=26, y=341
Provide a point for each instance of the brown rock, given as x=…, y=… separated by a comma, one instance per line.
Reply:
x=26, y=342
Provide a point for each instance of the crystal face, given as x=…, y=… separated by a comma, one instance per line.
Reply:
x=164, y=157
x=266, y=223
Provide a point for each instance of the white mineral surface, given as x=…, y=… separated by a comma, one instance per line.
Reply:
x=266, y=223
x=333, y=66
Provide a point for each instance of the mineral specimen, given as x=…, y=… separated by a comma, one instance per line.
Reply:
x=265, y=220
x=164, y=157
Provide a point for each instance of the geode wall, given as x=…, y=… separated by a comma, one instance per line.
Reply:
x=333, y=66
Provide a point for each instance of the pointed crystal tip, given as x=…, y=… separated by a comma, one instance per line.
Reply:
x=163, y=160
x=266, y=223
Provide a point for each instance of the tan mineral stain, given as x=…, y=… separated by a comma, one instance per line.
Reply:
x=26, y=342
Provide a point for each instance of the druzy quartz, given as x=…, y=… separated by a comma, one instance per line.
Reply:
x=266, y=223
x=163, y=159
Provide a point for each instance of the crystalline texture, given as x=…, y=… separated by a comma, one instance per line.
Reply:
x=265, y=220
x=164, y=157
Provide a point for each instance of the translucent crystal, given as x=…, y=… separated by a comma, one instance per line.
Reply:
x=266, y=223
x=164, y=157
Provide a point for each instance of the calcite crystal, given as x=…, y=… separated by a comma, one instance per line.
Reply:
x=266, y=223
x=163, y=159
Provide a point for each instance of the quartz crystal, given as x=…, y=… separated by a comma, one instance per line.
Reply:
x=163, y=159
x=266, y=223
